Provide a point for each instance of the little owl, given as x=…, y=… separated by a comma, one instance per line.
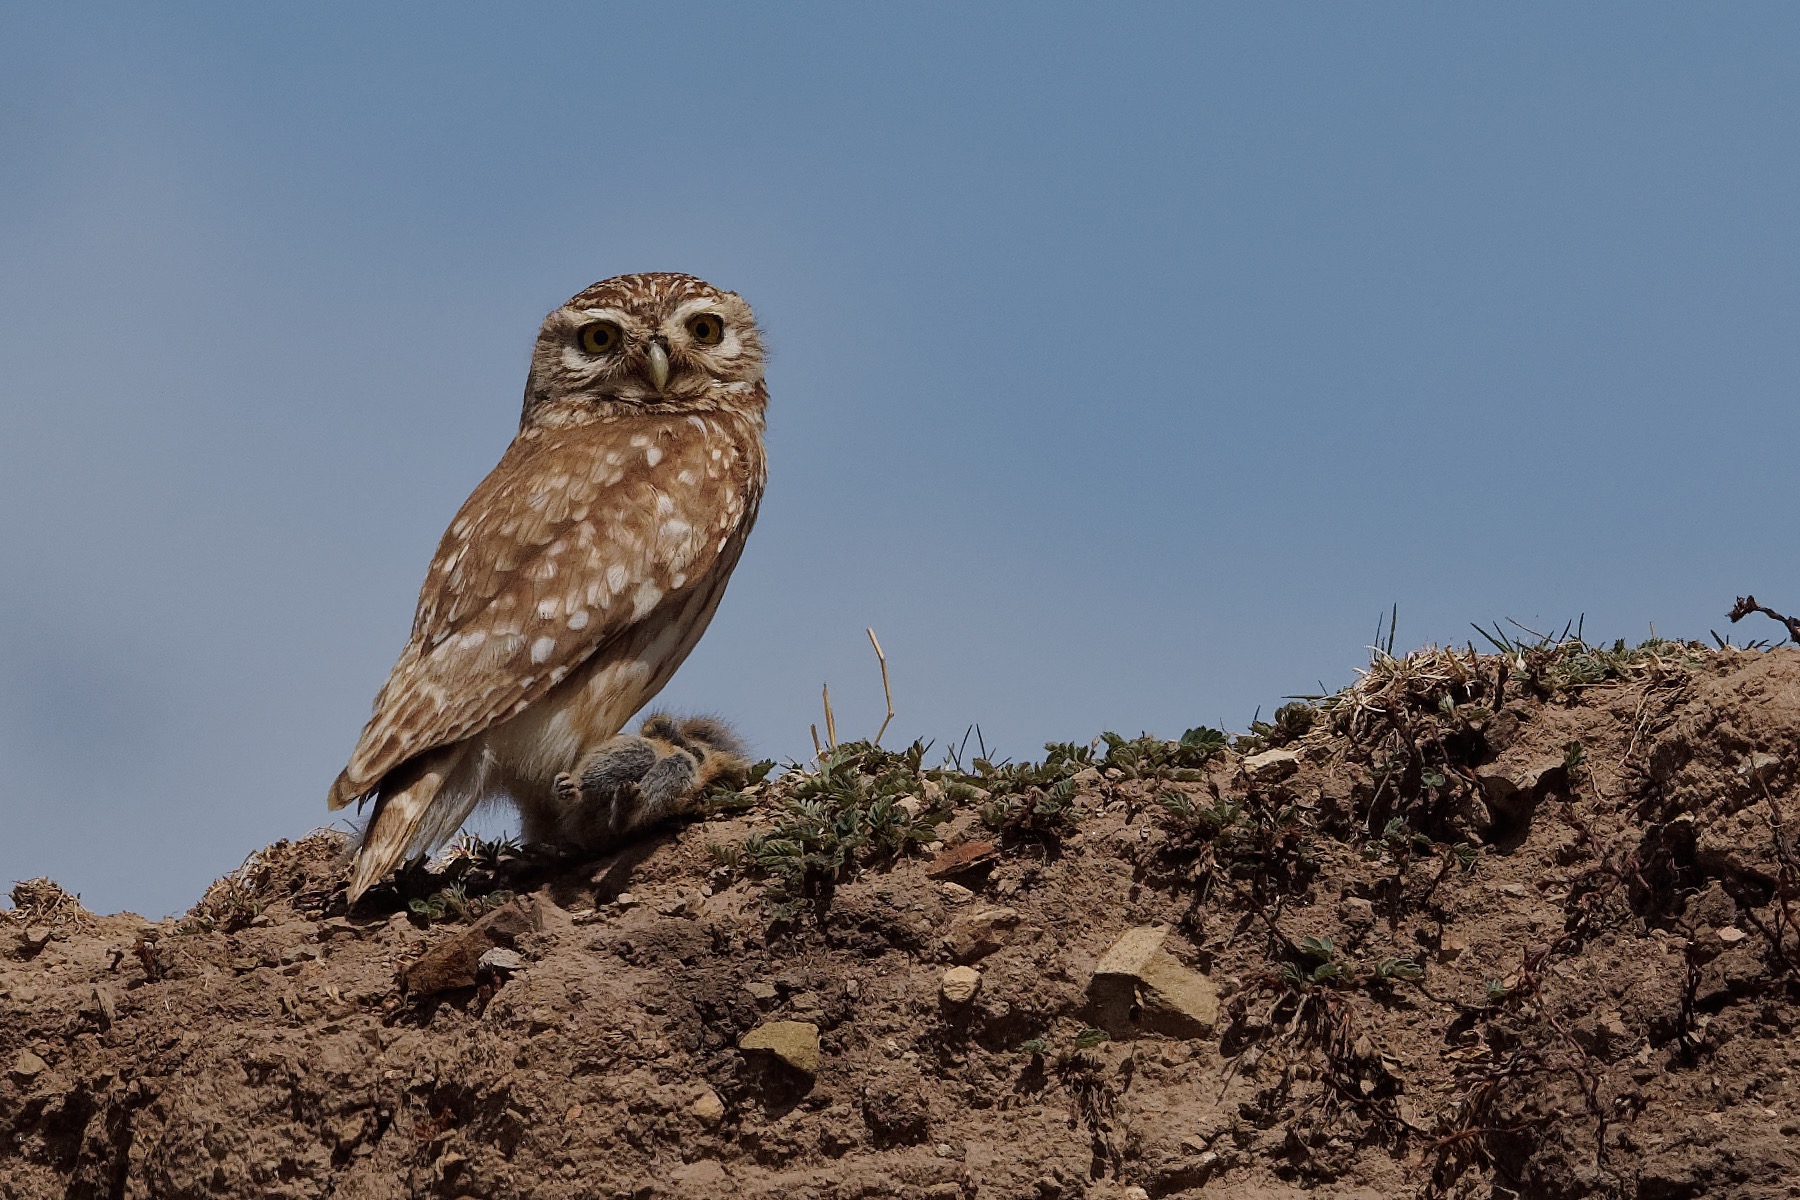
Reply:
x=574, y=581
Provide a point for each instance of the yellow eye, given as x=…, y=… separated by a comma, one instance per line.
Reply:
x=707, y=329
x=599, y=337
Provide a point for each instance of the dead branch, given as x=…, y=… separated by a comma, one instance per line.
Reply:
x=1747, y=604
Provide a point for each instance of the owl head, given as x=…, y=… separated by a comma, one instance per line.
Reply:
x=662, y=342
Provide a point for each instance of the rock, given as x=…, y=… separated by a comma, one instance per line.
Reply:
x=35, y=937
x=964, y=859
x=27, y=1066
x=1356, y=911
x=500, y=959
x=105, y=1008
x=761, y=991
x=975, y=935
x=1731, y=935
x=454, y=963
x=912, y=806
x=708, y=1107
x=1276, y=764
x=960, y=985
x=1759, y=767
x=1138, y=973
x=1512, y=790
x=956, y=893
x=795, y=1043
x=625, y=899
x=1450, y=948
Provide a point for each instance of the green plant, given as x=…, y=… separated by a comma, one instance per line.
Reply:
x=861, y=805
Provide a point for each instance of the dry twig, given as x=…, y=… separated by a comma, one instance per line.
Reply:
x=1747, y=604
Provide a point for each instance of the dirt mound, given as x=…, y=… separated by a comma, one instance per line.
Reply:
x=1482, y=925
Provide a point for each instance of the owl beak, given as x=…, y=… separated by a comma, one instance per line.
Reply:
x=659, y=364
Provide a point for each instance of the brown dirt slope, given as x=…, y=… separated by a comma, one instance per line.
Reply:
x=1482, y=925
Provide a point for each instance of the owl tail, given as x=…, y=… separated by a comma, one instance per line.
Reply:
x=414, y=814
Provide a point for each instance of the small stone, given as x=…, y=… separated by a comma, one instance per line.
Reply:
x=1511, y=790
x=1139, y=985
x=912, y=806
x=455, y=962
x=807, y=1002
x=1517, y=890
x=1731, y=935
x=261, y=921
x=625, y=900
x=761, y=991
x=960, y=985
x=1759, y=767
x=708, y=1107
x=27, y=1066
x=1135, y=1193
x=36, y=937
x=500, y=959
x=975, y=935
x=956, y=893
x=1450, y=948
x=106, y=1007
x=1277, y=763
x=966, y=858
x=795, y=1043
x=1356, y=911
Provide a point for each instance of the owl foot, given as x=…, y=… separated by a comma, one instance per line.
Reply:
x=637, y=780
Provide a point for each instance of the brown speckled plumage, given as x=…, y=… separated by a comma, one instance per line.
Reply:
x=580, y=572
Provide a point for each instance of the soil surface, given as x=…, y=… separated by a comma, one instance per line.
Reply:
x=1513, y=924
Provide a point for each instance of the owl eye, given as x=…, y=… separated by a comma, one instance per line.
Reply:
x=706, y=329
x=599, y=337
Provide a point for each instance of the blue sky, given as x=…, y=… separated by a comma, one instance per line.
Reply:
x=1128, y=363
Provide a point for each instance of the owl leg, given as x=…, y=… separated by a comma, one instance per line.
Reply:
x=637, y=780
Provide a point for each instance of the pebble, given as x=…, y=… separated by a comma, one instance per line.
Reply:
x=960, y=985
x=500, y=959
x=27, y=1065
x=956, y=893
x=1731, y=935
x=708, y=1107
x=795, y=1043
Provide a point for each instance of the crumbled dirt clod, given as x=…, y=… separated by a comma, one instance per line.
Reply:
x=1585, y=983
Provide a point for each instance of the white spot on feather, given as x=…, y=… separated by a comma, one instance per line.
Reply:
x=615, y=577
x=547, y=608
x=542, y=649
x=646, y=598
x=578, y=619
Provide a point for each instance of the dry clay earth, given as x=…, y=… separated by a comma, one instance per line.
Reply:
x=1595, y=996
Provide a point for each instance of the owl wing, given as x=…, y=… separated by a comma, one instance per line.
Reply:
x=559, y=550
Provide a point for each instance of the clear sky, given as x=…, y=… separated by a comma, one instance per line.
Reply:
x=1128, y=362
